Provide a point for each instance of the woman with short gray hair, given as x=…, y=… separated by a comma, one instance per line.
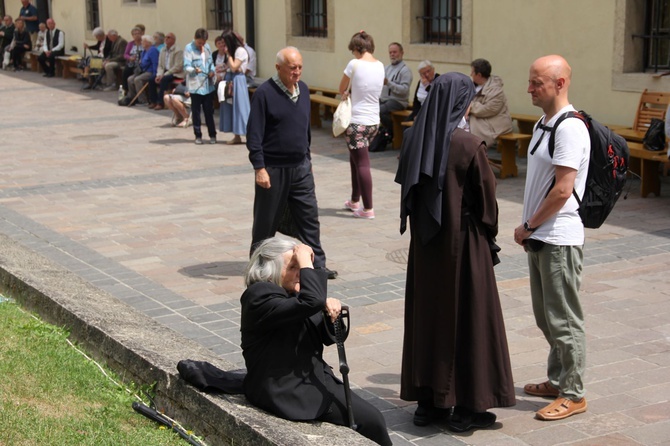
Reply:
x=284, y=315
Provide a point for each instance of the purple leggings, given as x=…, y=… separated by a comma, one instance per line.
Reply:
x=358, y=139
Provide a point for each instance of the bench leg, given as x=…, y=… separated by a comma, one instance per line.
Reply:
x=508, y=166
x=650, y=182
x=397, y=131
x=315, y=116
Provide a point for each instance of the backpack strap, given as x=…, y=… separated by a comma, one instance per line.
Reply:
x=552, y=144
x=544, y=128
x=563, y=117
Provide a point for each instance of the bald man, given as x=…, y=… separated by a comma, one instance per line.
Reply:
x=54, y=46
x=552, y=234
x=278, y=140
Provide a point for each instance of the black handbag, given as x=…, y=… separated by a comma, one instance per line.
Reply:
x=654, y=139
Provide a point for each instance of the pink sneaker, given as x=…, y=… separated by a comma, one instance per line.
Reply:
x=352, y=206
x=362, y=213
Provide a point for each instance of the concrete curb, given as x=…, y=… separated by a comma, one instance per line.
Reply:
x=145, y=352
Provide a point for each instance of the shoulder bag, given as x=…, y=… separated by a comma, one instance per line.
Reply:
x=342, y=115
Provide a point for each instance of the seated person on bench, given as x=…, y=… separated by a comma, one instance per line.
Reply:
x=489, y=115
x=427, y=75
x=54, y=46
x=283, y=333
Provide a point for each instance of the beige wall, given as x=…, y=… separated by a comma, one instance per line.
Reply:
x=510, y=34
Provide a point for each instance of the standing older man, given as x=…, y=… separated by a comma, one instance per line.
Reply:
x=278, y=139
x=170, y=67
x=553, y=236
x=28, y=13
x=114, y=61
x=54, y=46
x=489, y=115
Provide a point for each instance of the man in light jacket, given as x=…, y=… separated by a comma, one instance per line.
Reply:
x=489, y=114
x=170, y=68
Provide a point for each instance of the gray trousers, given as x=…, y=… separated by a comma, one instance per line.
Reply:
x=555, y=278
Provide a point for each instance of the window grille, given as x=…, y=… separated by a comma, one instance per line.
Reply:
x=656, y=35
x=314, y=18
x=92, y=14
x=442, y=22
x=223, y=15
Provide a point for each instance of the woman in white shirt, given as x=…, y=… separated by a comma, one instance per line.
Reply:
x=233, y=117
x=367, y=80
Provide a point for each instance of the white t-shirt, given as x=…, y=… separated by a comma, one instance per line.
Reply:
x=572, y=149
x=241, y=55
x=366, y=88
x=251, y=66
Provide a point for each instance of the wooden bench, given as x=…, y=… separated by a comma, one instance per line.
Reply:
x=398, y=117
x=317, y=101
x=34, y=64
x=507, y=146
x=67, y=67
x=330, y=92
x=646, y=164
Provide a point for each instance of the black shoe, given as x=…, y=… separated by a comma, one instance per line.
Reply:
x=463, y=420
x=51, y=75
x=87, y=87
x=426, y=414
x=331, y=274
x=45, y=75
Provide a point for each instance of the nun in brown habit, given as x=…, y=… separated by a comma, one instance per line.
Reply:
x=455, y=360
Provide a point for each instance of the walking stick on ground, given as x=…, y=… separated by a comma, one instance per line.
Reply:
x=341, y=327
x=144, y=87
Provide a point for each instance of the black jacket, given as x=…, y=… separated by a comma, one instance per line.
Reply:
x=416, y=105
x=282, y=343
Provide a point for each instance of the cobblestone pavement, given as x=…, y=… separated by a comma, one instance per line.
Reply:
x=127, y=202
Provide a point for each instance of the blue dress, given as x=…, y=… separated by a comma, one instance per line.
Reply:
x=234, y=117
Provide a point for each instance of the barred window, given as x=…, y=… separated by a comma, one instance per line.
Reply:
x=656, y=35
x=92, y=14
x=442, y=22
x=220, y=14
x=314, y=18
x=140, y=2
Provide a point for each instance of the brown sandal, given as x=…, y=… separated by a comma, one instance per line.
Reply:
x=542, y=389
x=561, y=408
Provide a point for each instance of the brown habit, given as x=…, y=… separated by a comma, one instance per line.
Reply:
x=455, y=348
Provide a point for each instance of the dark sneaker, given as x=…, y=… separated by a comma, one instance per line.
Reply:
x=198, y=141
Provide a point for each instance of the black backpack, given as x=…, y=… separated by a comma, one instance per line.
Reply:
x=607, y=169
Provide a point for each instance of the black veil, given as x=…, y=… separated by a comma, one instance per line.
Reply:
x=425, y=151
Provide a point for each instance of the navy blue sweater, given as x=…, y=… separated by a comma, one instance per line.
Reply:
x=278, y=133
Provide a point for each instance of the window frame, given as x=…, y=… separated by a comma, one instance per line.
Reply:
x=627, y=53
x=294, y=26
x=452, y=32
x=217, y=10
x=91, y=16
x=416, y=49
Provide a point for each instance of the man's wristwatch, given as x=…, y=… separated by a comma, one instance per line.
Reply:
x=527, y=227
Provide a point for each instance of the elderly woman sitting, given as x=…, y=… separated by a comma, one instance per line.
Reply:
x=283, y=333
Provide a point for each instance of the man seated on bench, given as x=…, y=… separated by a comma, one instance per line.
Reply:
x=54, y=46
x=170, y=70
x=395, y=96
x=114, y=61
x=489, y=114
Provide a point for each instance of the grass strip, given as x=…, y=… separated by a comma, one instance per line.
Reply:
x=52, y=395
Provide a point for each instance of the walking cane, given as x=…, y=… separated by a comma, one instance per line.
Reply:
x=341, y=327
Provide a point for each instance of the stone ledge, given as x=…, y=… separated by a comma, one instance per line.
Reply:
x=143, y=351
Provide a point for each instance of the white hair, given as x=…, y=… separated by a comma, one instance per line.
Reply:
x=146, y=38
x=425, y=63
x=267, y=261
x=280, y=54
x=98, y=31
